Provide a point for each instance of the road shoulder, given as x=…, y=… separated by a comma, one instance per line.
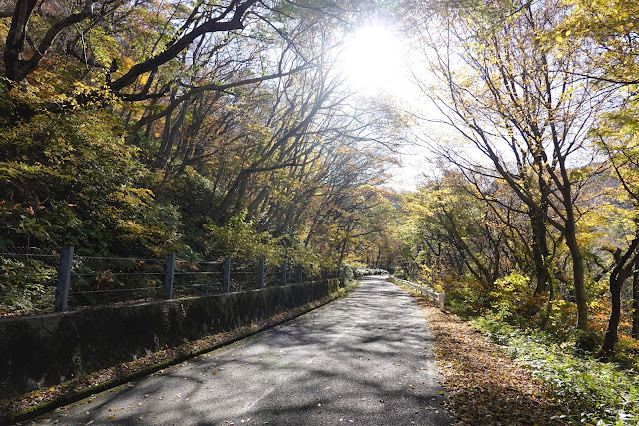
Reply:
x=483, y=384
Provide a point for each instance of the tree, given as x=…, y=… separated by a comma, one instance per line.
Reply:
x=110, y=49
x=212, y=19
x=616, y=137
x=610, y=27
x=457, y=235
x=519, y=103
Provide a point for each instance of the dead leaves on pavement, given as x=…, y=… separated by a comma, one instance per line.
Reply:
x=484, y=385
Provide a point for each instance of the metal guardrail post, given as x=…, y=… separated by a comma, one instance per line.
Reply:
x=64, y=279
x=169, y=276
x=260, y=274
x=226, y=278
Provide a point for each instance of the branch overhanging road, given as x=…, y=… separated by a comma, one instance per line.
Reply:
x=366, y=359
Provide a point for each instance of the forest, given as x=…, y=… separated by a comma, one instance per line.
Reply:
x=226, y=128
x=138, y=129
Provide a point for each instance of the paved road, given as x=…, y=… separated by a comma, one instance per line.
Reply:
x=365, y=360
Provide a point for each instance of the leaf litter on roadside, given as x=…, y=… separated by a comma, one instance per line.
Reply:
x=484, y=386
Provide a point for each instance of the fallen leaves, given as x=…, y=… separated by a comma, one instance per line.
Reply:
x=484, y=386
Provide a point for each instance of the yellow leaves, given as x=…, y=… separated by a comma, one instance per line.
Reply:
x=562, y=36
x=127, y=63
x=130, y=226
x=83, y=95
x=136, y=197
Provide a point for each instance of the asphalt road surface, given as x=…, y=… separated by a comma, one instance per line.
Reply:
x=363, y=360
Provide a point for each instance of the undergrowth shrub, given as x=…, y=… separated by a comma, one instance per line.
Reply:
x=26, y=287
x=512, y=301
x=554, y=317
x=467, y=296
x=597, y=393
x=627, y=353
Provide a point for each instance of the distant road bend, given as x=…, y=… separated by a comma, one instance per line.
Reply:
x=365, y=359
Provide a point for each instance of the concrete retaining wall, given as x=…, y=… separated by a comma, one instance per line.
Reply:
x=42, y=350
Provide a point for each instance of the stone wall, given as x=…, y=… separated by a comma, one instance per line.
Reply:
x=42, y=350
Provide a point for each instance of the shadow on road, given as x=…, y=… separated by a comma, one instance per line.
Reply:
x=365, y=359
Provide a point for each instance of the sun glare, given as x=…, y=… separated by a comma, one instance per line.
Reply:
x=374, y=62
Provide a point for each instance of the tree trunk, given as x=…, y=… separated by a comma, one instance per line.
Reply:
x=611, y=336
x=540, y=252
x=169, y=138
x=14, y=43
x=635, y=299
x=257, y=202
x=542, y=274
x=221, y=211
x=578, y=277
x=622, y=270
x=342, y=252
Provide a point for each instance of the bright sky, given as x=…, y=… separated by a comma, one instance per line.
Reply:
x=376, y=63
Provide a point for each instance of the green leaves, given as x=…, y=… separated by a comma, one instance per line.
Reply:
x=597, y=393
x=19, y=295
x=240, y=240
x=76, y=182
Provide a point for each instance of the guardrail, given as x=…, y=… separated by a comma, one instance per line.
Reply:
x=437, y=297
x=65, y=278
